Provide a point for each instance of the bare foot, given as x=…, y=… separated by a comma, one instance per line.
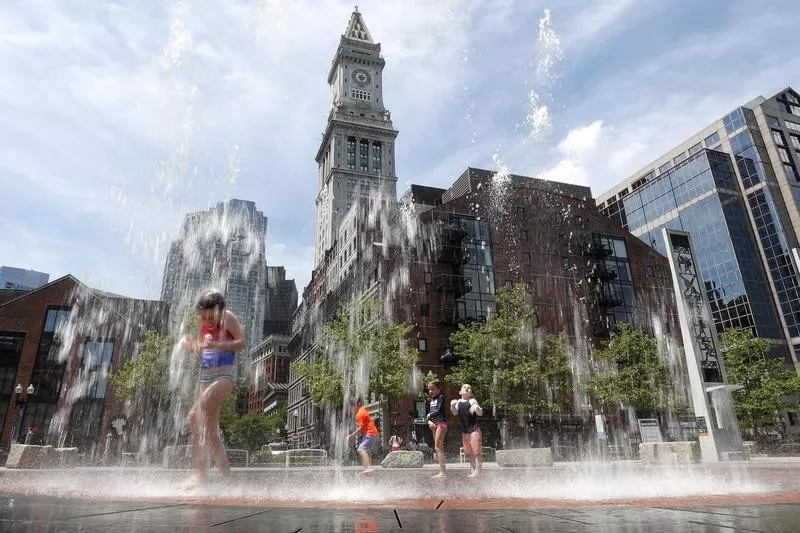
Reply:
x=473, y=474
x=367, y=471
x=440, y=475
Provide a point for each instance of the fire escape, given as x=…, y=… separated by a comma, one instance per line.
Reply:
x=602, y=295
x=450, y=284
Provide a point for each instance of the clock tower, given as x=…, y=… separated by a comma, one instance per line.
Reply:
x=356, y=156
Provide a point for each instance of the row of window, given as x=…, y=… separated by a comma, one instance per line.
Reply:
x=364, y=155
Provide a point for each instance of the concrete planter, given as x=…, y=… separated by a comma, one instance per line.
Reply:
x=525, y=457
x=669, y=452
x=403, y=459
x=30, y=456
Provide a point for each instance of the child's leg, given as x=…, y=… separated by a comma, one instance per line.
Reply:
x=438, y=441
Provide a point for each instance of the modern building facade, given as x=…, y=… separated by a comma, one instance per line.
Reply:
x=735, y=187
x=64, y=339
x=222, y=248
x=280, y=301
x=21, y=278
x=356, y=155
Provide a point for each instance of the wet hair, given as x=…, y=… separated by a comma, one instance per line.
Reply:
x=357, y=402
x=211, y=300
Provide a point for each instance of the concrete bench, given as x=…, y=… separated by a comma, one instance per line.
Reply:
x=487, y=454
x=403, y=459
x=669, y=452
x=525, y=457
x=30, y=456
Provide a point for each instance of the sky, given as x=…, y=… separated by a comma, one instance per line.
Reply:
x=118, y=118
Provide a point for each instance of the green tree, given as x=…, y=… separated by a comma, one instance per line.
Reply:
x=360, y=330
x=147, y=373
x=636, y=376
x=251, y=432
x=766, y=382
x=507, y=365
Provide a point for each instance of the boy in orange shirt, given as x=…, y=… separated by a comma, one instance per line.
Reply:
x=369, y=433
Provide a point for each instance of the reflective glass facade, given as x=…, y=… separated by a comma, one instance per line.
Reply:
x=701, y=195
x=478, y=301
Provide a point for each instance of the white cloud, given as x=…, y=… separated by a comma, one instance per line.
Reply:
x=582, y=140
x=566, y=171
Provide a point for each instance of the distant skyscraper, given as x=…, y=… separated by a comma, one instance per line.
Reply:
x=735, y=186
x=222, y=248
x=21, y=279
x=280, y=301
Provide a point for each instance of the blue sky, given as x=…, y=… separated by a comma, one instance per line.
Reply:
x=119, y=118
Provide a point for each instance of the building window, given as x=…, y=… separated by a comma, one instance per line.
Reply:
x=376, y=156
x=648, y=271
x=791, y=125
x=696, y=148
x=778, y=138
x=791, y=172
x=772, y=121
x=509, y=284
x=784, y=155
x=793, y=109
x=424, y=310
x=97, y=356
x=422, y=345
x=712, y=139
x=520, y=211
x=526, y=258
x=562, y=239
x=565, y=263
x=734, y=120
x=791, y=97
x=795, y=141
x=428, y=277
x=351, y=153
x=358, y=94
x=666, y=166
x=363, y=155
x=680, y=158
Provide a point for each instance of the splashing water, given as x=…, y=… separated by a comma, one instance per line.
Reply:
x=549, y=55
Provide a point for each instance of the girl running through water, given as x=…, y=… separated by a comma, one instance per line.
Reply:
x=220, y=337
x=438, y=423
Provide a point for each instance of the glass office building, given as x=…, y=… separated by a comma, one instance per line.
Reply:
x=736, y=188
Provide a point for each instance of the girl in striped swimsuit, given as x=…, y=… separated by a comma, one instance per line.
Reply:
x=220, y=337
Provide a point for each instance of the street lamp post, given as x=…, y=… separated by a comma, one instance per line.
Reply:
x=20, y=401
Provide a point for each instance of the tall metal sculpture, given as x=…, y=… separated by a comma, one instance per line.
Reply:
x=717, y=427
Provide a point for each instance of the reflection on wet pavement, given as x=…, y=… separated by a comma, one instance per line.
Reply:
x=29, y=514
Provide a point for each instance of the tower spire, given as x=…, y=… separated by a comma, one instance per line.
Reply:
x=357, y=29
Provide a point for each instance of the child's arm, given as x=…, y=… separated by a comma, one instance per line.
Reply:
x=454, y=406
x=474, y=408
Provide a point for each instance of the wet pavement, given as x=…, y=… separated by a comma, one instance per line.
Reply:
x=45, y=514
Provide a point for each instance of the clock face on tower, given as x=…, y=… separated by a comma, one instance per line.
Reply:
x=361, y=77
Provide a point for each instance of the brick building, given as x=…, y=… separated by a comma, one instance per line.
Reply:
x=64, y=339
x=269, y=373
